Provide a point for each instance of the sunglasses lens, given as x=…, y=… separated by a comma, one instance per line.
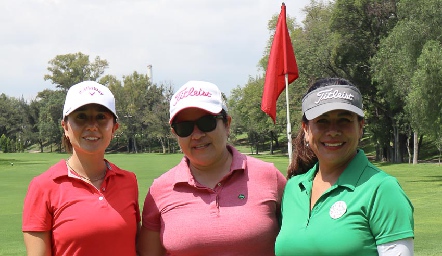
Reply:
x=183, y=129
x=204, y=124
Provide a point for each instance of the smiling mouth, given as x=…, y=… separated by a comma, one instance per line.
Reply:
x=333, y=144
x=201, y=146
x=91, y=138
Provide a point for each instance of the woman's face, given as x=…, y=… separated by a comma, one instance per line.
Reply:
x=90, y=129
x=334, y=137
x=203, y=148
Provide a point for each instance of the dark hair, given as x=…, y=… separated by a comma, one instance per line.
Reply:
x=224, y=114
x=303, y=157
x=65, y=140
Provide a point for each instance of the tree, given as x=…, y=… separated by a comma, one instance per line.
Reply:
x=4, y=143
x=393, y=66
x=143, y=111
x=69, y=69
x=358, y=27
x=424, y=100
x=247, y=116
x=13, y=121
x=156, y=115
x=50, y=114
x=315, y=45
x=396, y=61
x=131, y=107
x=24, y=133
x=32, y=133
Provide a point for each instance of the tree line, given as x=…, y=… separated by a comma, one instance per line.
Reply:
x=142, y=108
x=391, y=49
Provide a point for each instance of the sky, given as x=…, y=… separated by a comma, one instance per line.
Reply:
x=220, y=41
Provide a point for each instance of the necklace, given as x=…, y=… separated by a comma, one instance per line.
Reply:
x=84, y=177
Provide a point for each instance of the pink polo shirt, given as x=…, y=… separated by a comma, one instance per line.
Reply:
x=238, y=217
x=84, y=220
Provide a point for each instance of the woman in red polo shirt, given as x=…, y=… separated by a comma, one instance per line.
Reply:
x=83, y=205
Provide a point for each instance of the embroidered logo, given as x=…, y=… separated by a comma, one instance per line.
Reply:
x=91, y=90
x=241, y=196
x=336, y=94
x=188, y=92
x=338, y=209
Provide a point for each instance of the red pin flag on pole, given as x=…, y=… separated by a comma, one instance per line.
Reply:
x=281, y=71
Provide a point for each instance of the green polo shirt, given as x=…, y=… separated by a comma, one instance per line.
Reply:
x=365, y=208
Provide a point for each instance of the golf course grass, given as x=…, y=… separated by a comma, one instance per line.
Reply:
x=422, y=183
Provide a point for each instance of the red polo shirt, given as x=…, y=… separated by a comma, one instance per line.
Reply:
x=83, y=219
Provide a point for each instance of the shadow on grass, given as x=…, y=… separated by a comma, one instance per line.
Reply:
x=18, y=162
x=430, y=179
x=383, y=164
x=8, y=161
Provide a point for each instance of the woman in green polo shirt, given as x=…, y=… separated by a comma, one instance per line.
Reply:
x=336, y=202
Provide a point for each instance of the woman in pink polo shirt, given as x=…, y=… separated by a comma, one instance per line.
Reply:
x=83, y=205
x=216, y=201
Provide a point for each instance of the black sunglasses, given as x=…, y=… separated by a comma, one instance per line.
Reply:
x=204, y=124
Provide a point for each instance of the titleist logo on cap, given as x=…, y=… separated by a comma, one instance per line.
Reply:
x=187, y=92
x=336, y=94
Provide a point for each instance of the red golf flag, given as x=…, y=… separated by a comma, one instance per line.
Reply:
x=281, y=61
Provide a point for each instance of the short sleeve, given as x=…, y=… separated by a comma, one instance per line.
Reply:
x=391, y=214
x=37, y=215
x=151, y=215
x=137, y=205
x=281, y=181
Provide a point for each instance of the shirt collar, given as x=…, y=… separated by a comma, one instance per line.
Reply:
x=183, y=174
x=348, y=178
x=61, y=170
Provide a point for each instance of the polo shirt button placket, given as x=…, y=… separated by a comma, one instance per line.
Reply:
x=102, y=200
x=101, y=197
x=217, y=195
x=101, y=193
x=214, y=206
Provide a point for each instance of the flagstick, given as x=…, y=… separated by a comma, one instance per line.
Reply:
x=281, y=61
x=289, y=125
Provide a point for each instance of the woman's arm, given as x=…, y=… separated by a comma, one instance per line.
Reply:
x=38, y=243
x=149, y=243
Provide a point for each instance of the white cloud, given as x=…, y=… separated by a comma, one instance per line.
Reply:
x=219, y=40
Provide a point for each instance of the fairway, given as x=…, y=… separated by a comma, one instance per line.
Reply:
x=422, y=183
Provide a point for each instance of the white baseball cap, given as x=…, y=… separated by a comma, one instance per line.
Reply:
x=88, y=92
x=197, y=94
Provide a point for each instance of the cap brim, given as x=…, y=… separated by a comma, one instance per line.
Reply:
x=214, y=111
x=321, y=109
x=79, y=105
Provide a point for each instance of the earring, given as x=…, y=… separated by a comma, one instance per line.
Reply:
x=306, y=144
